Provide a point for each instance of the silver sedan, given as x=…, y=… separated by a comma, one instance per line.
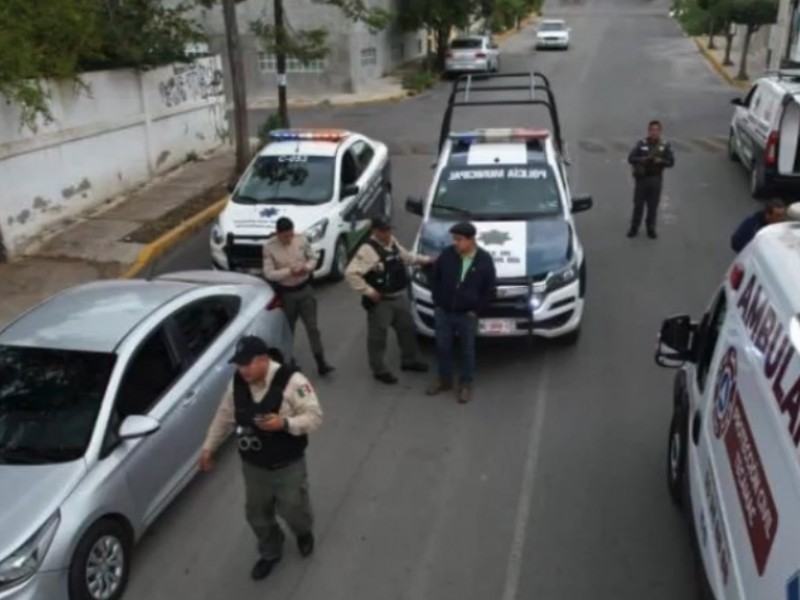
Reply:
x=106, y=392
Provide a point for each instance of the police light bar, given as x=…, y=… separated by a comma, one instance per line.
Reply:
x=500, y=135
x=328, y=135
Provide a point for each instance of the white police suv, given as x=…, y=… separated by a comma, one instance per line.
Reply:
x=512, y=185
x=330, y=183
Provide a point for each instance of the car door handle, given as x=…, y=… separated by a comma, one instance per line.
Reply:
x=189, y=397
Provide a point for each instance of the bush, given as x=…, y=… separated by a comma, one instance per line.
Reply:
x=693, y=19
x=419, y=80
x=273, y=122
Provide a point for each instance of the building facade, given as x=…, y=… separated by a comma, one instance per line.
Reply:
x=357, y=57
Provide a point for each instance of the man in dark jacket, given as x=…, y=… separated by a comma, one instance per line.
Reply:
x=648, y=160
x=463, y=284
x=773, y=212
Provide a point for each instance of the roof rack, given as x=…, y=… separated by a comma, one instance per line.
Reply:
x=531, y=87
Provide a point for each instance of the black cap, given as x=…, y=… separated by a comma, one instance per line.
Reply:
x=464, y=228
x=284, y=224
x=381, y=224
x=248, y=348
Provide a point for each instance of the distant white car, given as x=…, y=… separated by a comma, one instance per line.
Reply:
x=552, y=33
x=472, y=54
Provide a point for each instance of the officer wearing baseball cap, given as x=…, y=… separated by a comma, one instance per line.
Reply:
x=379, y=272
x=272, y=407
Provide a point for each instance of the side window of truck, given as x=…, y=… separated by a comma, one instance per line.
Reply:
x=709, y=336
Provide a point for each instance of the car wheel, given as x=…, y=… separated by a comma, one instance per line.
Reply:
x=101, y=564
x=676, y=458
x=340, y=256
x=757, y=186
x=732, y=153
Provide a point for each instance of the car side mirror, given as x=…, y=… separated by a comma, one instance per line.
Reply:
x=138, y=426
x=738, y=102
x=349, y=191
x=414, y=206
x=675, y=341
x=581, y=203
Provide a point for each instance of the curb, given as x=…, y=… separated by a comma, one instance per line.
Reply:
x=395, y=97
x=718, y=66
x=173, y=237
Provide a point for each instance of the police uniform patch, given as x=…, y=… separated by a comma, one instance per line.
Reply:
x=304, y=390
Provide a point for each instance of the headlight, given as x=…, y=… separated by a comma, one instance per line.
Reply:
x=27, y=559
x=420, y=275
x=536, y=301
x=317, y=231
x=217, y=237
x=565, y=276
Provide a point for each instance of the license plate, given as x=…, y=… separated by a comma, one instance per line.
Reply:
x=496, y=326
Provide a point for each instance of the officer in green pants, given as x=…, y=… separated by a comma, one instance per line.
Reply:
x=379, y=272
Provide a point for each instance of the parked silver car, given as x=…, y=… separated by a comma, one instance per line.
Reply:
x=106, y=392
x=472, y=54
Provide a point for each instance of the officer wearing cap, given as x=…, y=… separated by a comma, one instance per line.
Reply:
x=289, y=263
x=379, y=272
x=272, y=407
x=462, y=285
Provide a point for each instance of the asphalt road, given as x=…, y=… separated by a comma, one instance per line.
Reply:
x=551, y=484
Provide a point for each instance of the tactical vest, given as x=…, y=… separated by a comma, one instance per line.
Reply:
x=260, y=448
x=393, y=278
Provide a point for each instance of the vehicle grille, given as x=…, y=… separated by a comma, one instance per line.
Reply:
x=244, y=256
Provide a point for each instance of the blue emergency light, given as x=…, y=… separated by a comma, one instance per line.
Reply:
x=328, y=135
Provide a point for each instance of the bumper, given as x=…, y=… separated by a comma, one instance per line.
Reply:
x=470, y=66
x=782, y=183
x=559, y=313
x=51, y=585
x=247, y=258
x=560, y=43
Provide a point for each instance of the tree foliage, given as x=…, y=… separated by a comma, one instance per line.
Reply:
x=60, y=39
x=754, y=13
x=438, y=17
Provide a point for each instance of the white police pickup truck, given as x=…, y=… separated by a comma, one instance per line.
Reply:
x=330, y=183
x=512, y=185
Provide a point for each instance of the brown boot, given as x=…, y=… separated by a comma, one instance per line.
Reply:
x=464, y=393
x=439, y=386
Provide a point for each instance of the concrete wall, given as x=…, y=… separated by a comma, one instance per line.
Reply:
x=126, y=128
x=356, y=56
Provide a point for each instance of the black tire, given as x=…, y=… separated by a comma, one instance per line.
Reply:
x=758, y=187
x=676, y=458
x=340, y=257
x=105, y=538
x=732, y=154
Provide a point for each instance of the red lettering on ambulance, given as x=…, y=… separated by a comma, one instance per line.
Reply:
x=765, y=331
x=771, y=360
x=744, y=300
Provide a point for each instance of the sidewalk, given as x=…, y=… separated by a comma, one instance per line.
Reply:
x=119, y=238
x=755, y=61
x=385, y=89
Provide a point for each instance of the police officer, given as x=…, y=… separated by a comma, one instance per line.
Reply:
x=273, y=408
x=648, y=158
x=289, y=263
x=378, y=271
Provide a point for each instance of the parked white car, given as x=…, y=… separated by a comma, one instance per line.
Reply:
x=472, y=54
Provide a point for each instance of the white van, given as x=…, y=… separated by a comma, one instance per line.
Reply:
x=733, y=460
x=764, y=133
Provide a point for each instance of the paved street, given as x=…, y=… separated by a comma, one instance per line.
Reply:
x=551, y=484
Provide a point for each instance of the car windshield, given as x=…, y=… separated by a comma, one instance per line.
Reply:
x=289, y=179
x=49, y=401
x=466, y=44
x=494, y=192
x=552, y=27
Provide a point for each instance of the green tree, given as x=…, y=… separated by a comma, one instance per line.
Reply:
x=752, y=14
x=59, y=39
x=438, y=17
x=46, y=39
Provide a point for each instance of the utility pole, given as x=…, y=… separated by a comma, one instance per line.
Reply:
x=237, y=85
x=280, y=62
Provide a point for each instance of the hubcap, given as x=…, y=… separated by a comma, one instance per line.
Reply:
x=105, y=568
x=675, y=456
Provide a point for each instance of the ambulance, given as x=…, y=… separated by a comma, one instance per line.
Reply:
x=733, y=463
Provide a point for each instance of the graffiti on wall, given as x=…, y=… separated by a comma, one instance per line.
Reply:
x=191, y=83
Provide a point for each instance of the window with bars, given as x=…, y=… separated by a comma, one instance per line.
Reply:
x=268, y=63
x=369, y=57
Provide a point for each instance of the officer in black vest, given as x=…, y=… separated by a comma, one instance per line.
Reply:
x=379, y=271
x=272, y=407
